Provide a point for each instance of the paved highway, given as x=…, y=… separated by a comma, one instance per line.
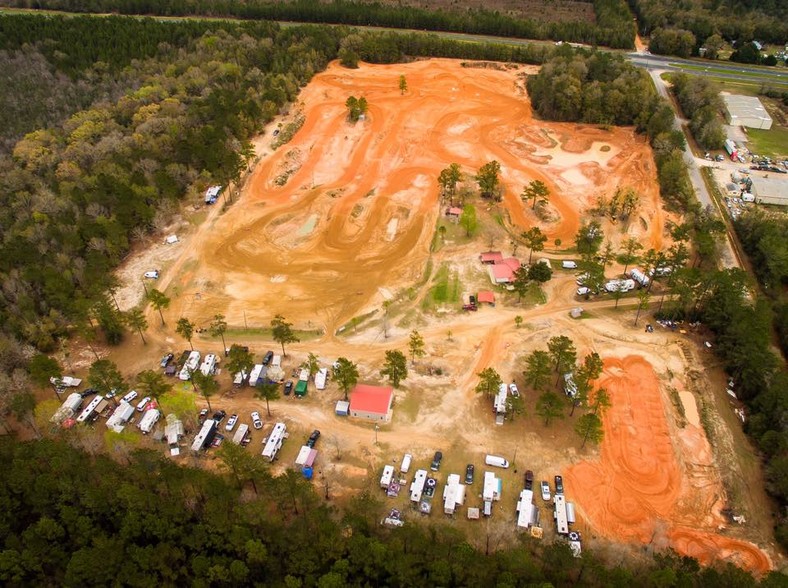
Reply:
x=727, y=70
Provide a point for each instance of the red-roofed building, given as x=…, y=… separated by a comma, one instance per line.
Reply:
x=512, y=262
x=491, y=257
x=486, y=296
x=371, y=402
x=500, y=273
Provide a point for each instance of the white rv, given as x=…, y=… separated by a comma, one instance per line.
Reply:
x=149, y=420
x=561, y=522
x=274, y=442
x=387, y=476
x=120, y=417
x=73, y=402
x=173, y=433
x=254, y=375
x=525, y=509
x=403, y=469
x=240, y=379
x=639, y=277
x=491, y=491
x=192, y=363
x=208, y=366
x=88, y=411
x=417, y=486
x=241, y=434
x=499, y=404
x=620, y=285
x=320, y=378
x=205, y=436
x=303, y=375
x=453, y=494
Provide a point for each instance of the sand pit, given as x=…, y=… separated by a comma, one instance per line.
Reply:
x=645, y=481
x=358, y=210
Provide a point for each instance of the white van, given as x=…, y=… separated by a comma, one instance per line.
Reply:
x=496, y=460
x=567, y=264
x=403, y=469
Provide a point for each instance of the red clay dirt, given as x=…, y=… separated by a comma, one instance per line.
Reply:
x=648, y=487
x=359, y=205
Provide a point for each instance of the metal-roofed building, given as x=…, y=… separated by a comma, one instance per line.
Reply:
x=771, y=190
x=746, y=111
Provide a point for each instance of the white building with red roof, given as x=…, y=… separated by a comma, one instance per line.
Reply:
x=371, y=402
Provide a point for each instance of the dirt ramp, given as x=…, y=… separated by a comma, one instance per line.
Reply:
x=639, y=490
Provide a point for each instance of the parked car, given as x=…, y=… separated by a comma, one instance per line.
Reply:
x=256, y=422
x=559, y=485
x=436, y=461
x=130, y=396
x=111, y=394
x=276, y=132
x=203, y=416
x=143, y=403
x=152, y=274
x=269, y=355
x=583, y=291
x=469, y=469
x=165, y=361
x=545, y=490
x=288, y=387
x=231, y=422
x=513, y=389
x=529, y=480
x=581, y=278
x=313, y=438
x=88, y=392
x=219, y=415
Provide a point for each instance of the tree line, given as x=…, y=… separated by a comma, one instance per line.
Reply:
x=701, y=103
x=613, y=26
x=732, y=20
x=72, y=518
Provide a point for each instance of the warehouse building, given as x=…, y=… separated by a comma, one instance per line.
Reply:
x=746, y=111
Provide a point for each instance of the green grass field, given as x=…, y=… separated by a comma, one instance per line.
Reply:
x=772, y=143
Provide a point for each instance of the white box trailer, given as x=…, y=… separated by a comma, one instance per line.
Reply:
x=274, y=442
x=205, y=435
x=240, y=379
x=417, y=486
x=73, y=402
x=387, y=476
x=639, y=277
x=403, y=469
x=88, y=411
x=306, y=456
x=453, y=494
x=191, y=364
x=320, y=378
x=499, y=404
x=173, y=433
x=149, y=420
x=561, y=522
x=525, y=509
x=117, y=421
x=241, y=434
x=570, y=513
x=254, y=375
x=492, y=487
x=208, y=366
x=303, y=375
x=276, y=361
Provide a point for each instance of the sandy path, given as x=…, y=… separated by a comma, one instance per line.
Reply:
x=319, y=247
x=638, y=486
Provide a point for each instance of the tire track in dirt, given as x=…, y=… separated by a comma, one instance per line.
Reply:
x=638, y=484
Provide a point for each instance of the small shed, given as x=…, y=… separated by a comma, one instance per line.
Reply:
x=306, y=456
x=486, y=296
x=576, y=312
x=171, y=239
x=453, y=213
x=491, y=257
x=343, y=408
x=473, y=514
x=300, y=388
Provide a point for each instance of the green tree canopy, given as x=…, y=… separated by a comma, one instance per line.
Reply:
x=345, y=374
x=489, y=381
x=282, y=332
x=395, y=367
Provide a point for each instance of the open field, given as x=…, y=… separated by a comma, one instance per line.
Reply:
x=772, y=143
x=352, y=229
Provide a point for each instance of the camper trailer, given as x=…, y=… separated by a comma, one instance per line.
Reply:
x=205, y=436
x=73, y=402
x=208, y=366
x=124, y=412
x=403, y=469
x=491, y=491
x=88, y=411
x=320, y=378
x=192, y=363
x=387, y=476
x=639, y=277
x=453, y=494
x=561, y=522
x=173, y=433
x=499, y=404
x=241, y=436
x=417, y=486
x=525, y=509
x=240, y=379
x=257, y=371
x=274, y=442
x=149, y=420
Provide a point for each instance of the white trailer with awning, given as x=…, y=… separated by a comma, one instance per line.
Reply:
x=525, y=509
x=453, y=494
x=274, y=442
x=117, y=421
x=417, y=486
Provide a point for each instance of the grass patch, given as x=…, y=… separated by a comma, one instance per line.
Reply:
x=265, y=333
x=446, y=288
x=772, y=143
x=355, y=323
x=761, y=74
x=198, y=218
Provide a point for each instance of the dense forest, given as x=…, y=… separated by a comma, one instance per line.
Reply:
x=721, y=300
x=613, y=26
x=73, y=519
x=701, y=103
x=731, y=20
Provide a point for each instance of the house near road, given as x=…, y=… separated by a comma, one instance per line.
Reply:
x=746, y=111
x=371, y=402
x=453, y=494
x=502, y=272
x=274, y=442
x=499, y=404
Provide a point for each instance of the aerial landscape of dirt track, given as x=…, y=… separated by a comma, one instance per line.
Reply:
x=358, y=209
x=334, y=222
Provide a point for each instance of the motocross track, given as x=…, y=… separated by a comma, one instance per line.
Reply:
x=644, y=480
x=360, y=202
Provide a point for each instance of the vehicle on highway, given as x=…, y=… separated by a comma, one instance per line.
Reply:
x=256, y=422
